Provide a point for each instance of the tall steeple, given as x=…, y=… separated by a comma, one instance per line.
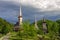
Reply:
x=20, y=10
x=36, y=26
x=18, y=24
x=20, y=16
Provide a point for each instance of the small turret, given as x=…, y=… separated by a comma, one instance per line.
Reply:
x=44, y=24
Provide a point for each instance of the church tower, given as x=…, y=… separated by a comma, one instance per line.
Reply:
x=18, y=25
x=36, y=26
x=44, y=26
x=20, y=17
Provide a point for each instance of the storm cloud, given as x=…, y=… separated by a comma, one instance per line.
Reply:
x=9, y=10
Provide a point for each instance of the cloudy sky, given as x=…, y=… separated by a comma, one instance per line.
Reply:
x=50, y=9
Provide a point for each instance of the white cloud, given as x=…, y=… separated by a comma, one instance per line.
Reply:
x=43, y=4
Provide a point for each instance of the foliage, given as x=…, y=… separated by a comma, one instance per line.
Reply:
x=29, y=32
x=5, y=26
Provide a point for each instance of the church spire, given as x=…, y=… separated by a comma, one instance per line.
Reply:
x=20, y=11
x=18, y=25
x=44, y=24
x=36, y=26
x=20, y=16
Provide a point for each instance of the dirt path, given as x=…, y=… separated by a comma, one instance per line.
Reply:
x=6, y=37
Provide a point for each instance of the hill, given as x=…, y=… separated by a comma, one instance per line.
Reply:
x=5, y=26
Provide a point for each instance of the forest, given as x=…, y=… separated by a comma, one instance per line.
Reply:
x=29, y=32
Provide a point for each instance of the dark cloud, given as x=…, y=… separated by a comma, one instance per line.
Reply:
x=10, y=11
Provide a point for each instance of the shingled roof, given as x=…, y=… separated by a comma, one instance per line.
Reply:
x=16, y=26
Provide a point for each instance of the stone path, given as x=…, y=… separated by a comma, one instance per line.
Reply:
x=6, y=37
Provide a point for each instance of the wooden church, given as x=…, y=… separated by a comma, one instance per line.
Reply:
x=18, y=24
